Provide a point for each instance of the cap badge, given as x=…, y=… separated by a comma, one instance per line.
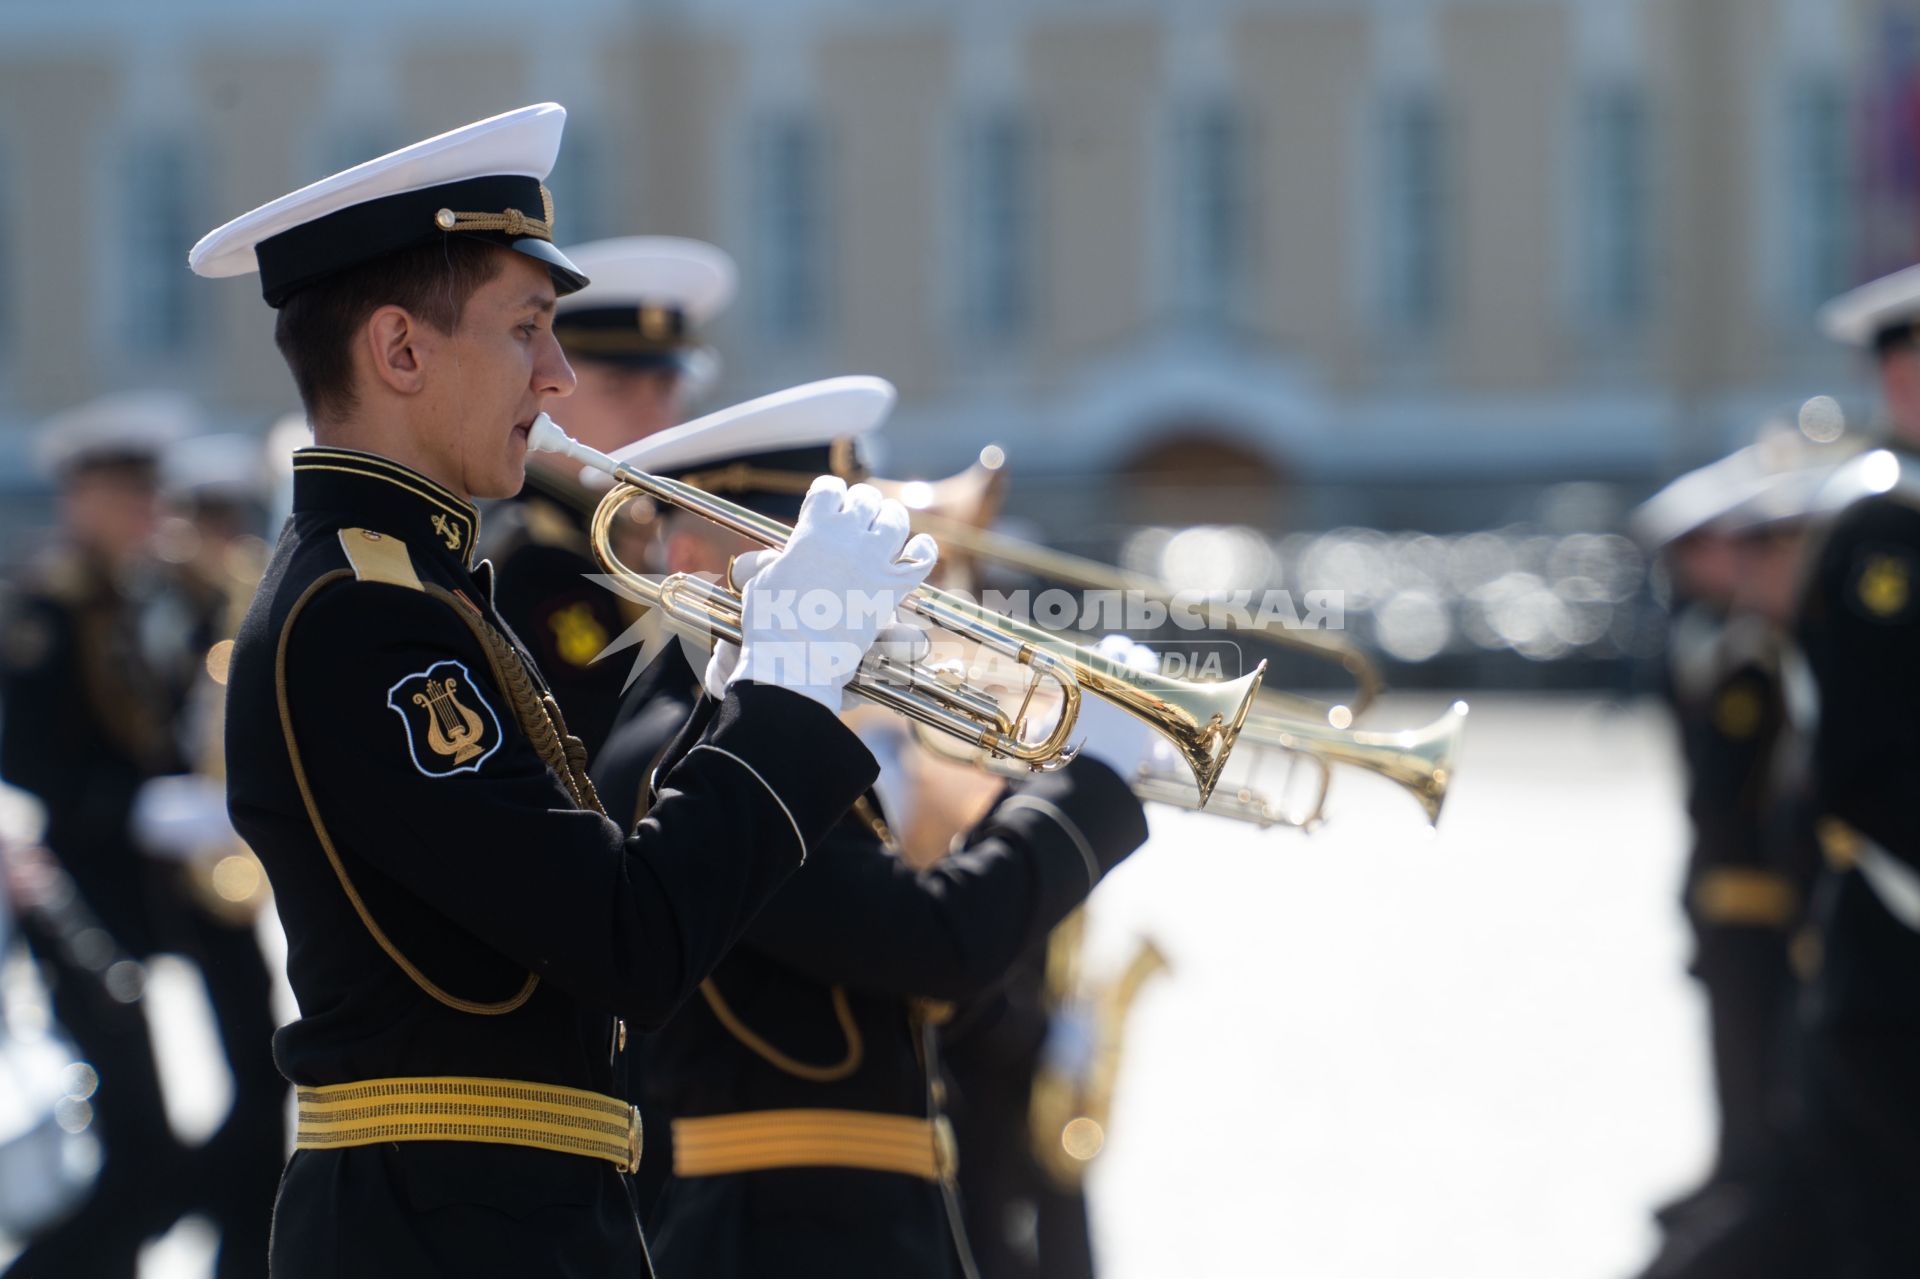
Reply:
x=508, y=221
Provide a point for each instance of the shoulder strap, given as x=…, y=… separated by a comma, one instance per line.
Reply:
x=376, y=557
x=381, y=557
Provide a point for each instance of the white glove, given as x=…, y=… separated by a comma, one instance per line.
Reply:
x=1112, y=736
x=898, y=643
x=177, y=817
x=814, y=611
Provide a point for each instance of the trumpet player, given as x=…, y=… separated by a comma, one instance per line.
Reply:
x=635, y=340
x=468, y=933
x=804, y=1087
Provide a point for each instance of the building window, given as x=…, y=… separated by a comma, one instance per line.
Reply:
x=790, y=231
x=1820, y=192
x=1614, y=207
x=996, y=285
x=578, y=186
x=1413, y=212
x=1211, y=219
x=159, y=316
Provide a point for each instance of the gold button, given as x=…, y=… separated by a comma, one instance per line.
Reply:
x=369, y=534
x=620, y=1029
x=445, y=219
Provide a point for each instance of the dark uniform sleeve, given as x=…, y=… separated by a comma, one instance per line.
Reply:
x=565, y=620
x=856, y=915
x=1865, y=608
x=413, y=755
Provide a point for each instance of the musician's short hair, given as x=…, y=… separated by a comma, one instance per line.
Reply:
x=315, y=327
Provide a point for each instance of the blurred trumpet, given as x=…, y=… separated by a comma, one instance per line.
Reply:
x=957, y=510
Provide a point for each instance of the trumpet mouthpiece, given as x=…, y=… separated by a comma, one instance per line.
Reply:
x=547, y=437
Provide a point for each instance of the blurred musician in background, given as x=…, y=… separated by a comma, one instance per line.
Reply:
x=1731, y=535
x=219, y=488
x=1859, y=626
x=89, y=729
x=805, y=1086
x=635, y=339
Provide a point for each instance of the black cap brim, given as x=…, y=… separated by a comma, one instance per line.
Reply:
x=567, y=278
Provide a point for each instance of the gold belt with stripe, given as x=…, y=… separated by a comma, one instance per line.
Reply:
x=759, y=1140
x=506, y=1112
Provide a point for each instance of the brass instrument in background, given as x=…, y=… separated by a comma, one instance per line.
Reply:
x=227, y=882
x=956, y=511
x=1072, y=1101
x=1201, y=720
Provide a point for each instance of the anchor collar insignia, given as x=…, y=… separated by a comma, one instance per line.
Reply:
x=386, y=496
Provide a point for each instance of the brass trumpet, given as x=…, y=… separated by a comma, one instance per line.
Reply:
x=1201, y=720
x=1418, y=760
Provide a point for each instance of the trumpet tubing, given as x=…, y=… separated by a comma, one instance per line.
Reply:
x=1201, y=720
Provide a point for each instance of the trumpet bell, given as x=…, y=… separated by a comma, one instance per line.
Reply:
x=1418, y=760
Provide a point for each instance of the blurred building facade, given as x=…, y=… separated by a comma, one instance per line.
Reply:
x=1287, y=262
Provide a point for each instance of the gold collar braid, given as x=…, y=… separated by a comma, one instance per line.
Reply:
x=511, y=221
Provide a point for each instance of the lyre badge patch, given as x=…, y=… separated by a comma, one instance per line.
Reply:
x=450, y=727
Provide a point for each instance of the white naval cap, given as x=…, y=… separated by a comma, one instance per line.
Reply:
x=1775, y=480
x=1800, y=492
x=482, y=179
x=132, y=427
x=766, y=452
x=227, y=467
x=1862, y=316
x=692, y=277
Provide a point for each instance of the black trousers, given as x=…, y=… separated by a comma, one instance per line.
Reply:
x=139, y=1192
x=1864, y=1117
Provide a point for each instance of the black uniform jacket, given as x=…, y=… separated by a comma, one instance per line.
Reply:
x=452, y=907
x=651, y=716
x=538, y=545
x=1860, y=630
x=88, y=720
x=1739, y=877
x=822, y=1005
